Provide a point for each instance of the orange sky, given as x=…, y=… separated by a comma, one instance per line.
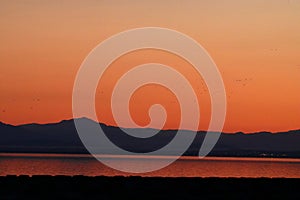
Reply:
x=255, y=44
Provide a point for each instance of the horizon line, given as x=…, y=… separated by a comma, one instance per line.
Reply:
x=108, y=125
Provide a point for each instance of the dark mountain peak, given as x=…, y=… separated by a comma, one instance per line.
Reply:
x=83, y=119
x=263, y=133
x=62, y=137
x=290, y=132
x=239, y=133
x=2, y=124
x=68, y=122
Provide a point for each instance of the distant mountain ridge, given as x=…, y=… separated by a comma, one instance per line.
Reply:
x=62, y=137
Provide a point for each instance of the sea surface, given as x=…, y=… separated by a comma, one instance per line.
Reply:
x=78, y=164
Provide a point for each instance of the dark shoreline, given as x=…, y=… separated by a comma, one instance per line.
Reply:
x=134, y=187
x=2, y=154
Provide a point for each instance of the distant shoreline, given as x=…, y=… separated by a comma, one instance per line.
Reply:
x=112, y=156
x=63, y=138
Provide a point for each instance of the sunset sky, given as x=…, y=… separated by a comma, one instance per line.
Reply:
x=255, y=44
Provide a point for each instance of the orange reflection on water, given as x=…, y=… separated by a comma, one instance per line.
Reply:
x=65, y=164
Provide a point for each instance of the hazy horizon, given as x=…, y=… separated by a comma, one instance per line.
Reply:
x=165, y=129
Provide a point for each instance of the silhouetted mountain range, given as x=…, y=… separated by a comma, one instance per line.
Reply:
x=62, y=137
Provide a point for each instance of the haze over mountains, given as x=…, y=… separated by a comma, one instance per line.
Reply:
x=62, y=137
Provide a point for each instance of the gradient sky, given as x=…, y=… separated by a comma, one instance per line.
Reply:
x=255, y=44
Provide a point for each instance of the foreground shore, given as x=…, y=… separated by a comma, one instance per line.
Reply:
x=81, y=187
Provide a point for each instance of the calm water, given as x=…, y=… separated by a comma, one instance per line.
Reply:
x=63, y=164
